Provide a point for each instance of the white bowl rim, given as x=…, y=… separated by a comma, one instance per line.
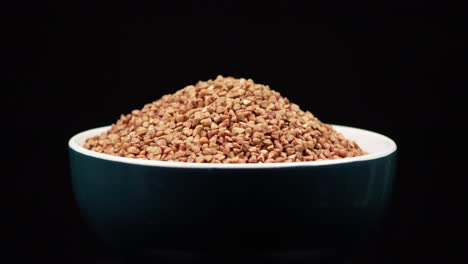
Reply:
x=389, y=146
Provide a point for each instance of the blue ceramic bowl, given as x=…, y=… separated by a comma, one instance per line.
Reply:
x=318, y=204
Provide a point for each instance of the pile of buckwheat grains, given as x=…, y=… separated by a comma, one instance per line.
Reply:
x=225, y=120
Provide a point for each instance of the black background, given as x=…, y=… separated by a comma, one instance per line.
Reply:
x=385, y=67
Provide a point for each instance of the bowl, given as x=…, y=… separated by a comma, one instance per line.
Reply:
x=176, y=205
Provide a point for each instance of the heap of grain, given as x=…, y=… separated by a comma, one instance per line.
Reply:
x=225, y=120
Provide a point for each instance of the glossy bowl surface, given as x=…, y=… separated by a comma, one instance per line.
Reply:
x=321, y=204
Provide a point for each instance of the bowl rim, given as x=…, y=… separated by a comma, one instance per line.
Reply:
x=391, y=147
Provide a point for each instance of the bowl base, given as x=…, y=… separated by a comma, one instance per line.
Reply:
x=183, y=256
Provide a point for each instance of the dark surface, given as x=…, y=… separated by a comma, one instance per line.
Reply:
x=295, y=256
x=388, y=67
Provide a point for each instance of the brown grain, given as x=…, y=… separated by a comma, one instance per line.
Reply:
x=225, y=120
